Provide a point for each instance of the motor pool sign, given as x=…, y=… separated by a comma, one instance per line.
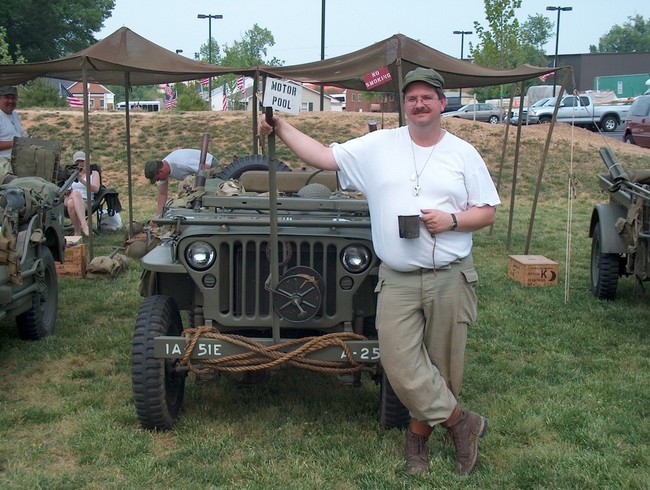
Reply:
x=282, y=95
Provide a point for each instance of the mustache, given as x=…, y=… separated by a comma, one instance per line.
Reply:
x=421, y=110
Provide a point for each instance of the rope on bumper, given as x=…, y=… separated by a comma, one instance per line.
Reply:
x=261, y=357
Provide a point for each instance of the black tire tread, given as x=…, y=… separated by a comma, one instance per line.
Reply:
x=251, y=162
x=40, y=320
x=157, y=394
x=392, y=413
x=604, y=269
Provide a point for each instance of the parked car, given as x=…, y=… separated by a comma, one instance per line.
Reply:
x=581, y=111
x=453, y=103
x=477, y=112
x=527, y=116
x=637, y=125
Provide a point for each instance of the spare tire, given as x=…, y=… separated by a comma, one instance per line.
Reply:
x=250, y=162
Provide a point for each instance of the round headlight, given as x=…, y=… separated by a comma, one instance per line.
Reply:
x=356, y=258
x=200, y=255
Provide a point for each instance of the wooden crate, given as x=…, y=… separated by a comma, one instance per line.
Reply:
x=533, y=270
x=74, y=264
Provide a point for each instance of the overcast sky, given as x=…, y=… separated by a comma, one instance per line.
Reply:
x=355, y=24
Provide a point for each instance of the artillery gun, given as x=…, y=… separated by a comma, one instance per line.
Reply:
x=620, y=229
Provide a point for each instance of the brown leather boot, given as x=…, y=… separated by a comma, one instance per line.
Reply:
x=466, y=429
x=417, y=459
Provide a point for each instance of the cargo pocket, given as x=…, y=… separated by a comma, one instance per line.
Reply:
x=467, y=304
x=378, y=289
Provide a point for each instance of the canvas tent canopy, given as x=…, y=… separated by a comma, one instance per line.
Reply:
x=127, y=58
x=400, y=54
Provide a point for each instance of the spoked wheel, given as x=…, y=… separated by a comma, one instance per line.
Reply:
x=392, y=414
x=158, y=387
x=40, y=320
x=604, y=269
x=609, y=124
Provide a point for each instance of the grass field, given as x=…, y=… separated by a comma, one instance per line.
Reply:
x=562, y=377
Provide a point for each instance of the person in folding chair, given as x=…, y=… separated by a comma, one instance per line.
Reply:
x=75, y=200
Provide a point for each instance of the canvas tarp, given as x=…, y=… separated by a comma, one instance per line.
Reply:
x=127, y=58
x=400, y=54
x=108, y=60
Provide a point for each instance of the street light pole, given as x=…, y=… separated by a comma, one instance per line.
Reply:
x=557, y=39
x=462, y=44
x=210, y=17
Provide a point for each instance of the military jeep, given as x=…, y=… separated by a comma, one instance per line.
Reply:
x=32, y=237
x=247, y=280
x=620, y=229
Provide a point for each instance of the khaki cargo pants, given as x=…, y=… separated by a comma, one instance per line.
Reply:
x=422, y=320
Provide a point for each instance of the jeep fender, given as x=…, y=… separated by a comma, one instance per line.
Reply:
x=607, y=215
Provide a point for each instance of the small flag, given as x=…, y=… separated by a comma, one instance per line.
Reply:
x=72, y=100
x=544, y=76
x=170, y=97
x=224, y=105
x=205, y=82
x=240, y=83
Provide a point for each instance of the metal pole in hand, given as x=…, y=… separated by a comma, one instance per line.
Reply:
x=273, y=213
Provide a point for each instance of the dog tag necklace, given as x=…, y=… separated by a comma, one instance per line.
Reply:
x=415, y=176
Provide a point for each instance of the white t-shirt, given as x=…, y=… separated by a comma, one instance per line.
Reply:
x=78, y=186
x=381, y=165
x=185, y=162
x=9, y=127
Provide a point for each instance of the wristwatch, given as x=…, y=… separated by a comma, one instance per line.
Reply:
x=454, y=222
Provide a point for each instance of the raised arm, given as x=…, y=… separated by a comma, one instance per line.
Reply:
x=305, y=147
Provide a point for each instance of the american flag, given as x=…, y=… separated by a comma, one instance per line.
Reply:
x=224, y=105
x=170, y=97
x=240, y=83
x=205, y=82
x=72, y=100
x=544, y=76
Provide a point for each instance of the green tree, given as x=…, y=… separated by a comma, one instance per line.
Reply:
x=5, y=55
x=41, y=93
x=251, y=50
x=632, y=36
x=188, y=98
x=204, y=52
x=44, y=30
x=505, y=43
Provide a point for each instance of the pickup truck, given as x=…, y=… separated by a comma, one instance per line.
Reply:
x=581, y=111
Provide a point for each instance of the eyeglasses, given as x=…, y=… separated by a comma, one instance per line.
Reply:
x=425, y=99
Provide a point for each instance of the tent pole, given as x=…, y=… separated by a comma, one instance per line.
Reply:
x=504, y=147
x=127, y=84
x=89, y=202
x=400, y=81
x=565, y=81
x=256, y=136
x=515, y=168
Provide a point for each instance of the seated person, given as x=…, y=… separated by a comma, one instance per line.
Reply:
x=75, y=199
x=177, y=165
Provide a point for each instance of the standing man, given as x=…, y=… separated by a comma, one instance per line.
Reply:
x=178, y=165
x=9, y=127
x=426, y=287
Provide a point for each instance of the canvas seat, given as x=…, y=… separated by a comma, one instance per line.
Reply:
x=105, y=199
